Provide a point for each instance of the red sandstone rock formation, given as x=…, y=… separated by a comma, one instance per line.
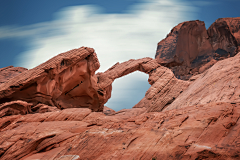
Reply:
x=189, y=46
x=200, y=131
x=49, y=112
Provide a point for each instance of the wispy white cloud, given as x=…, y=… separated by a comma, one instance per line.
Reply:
x=115, y=37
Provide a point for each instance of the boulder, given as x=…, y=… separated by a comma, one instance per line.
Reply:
x=67, y=80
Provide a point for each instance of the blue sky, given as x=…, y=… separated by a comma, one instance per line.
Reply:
x=31, y=32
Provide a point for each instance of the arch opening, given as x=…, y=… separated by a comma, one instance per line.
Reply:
x=128, y=90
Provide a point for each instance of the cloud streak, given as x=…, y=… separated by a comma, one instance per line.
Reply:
x=115, y=37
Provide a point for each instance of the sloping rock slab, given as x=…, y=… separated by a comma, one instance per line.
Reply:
x=218, y=84
x=208, y=131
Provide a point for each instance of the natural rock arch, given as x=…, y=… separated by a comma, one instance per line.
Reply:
x=69, y=81
x=164, y=86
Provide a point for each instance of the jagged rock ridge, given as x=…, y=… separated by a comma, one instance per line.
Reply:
x=190, y=49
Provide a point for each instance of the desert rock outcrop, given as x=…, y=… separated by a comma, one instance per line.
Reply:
x=56, y=110
x=9, y=72
x=190, y=49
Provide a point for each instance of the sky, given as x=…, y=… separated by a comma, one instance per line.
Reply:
x=31, y=32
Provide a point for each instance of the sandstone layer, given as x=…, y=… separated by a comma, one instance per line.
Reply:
x=9, y=72
x=194, y=131
x=190, y=49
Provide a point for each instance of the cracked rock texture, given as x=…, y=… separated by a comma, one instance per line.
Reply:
x=56, y=110
x=190, y=49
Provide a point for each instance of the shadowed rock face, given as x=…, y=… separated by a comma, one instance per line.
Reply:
x=190, y=49
x=187, y=41
x=221, y=36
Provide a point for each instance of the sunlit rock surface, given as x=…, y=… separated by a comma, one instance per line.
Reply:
x=208, y=131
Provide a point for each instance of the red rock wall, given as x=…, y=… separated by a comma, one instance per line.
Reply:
x=69, y=81
x=164, y=89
